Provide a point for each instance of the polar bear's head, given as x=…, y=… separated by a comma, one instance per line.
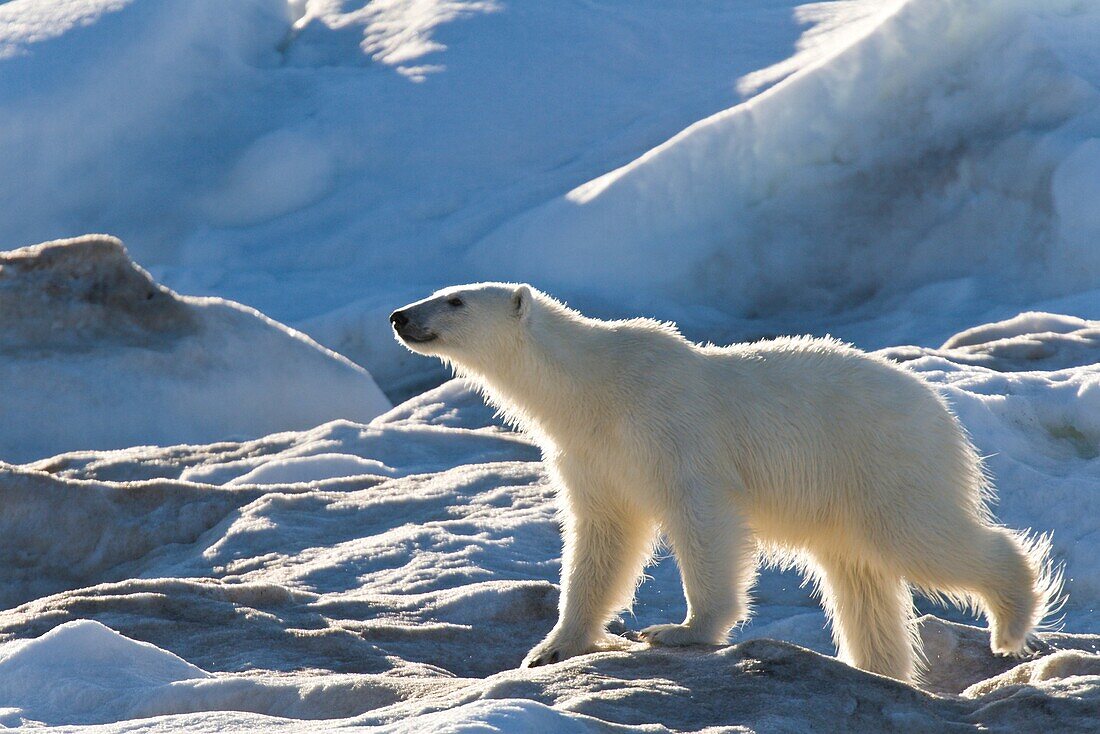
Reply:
x=465, y=324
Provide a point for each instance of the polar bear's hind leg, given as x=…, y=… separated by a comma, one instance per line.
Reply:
x=871, y=611
x=1010, y=593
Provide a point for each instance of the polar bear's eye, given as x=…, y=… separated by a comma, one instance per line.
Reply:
x=456, y=302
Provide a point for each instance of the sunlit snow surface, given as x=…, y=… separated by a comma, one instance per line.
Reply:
x=395, y=573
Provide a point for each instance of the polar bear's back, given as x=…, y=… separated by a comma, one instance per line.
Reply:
x=833, y=434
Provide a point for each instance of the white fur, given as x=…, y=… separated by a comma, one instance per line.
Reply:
x=805, y=451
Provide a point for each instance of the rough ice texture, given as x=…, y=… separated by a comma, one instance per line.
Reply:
x=95, y=354
x=84, y=293
x=83, y=672
x=394, y=574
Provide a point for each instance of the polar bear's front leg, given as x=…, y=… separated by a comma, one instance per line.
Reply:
x=602, y=561
x=716, y=553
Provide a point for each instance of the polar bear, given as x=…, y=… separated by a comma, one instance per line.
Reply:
x=803, y=451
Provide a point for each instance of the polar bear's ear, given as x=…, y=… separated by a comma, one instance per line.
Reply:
x=521, y=301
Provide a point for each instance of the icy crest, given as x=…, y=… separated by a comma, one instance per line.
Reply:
x=95, y=354
x=81, y=293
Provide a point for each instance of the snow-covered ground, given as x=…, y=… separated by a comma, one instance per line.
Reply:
x=395, y=573
x=918, y=176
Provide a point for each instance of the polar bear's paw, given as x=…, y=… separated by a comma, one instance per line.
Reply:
x=1003, y=647
x=554, y=649
x=678, y=634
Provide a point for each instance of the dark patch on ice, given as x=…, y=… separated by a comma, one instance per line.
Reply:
x=82, y=292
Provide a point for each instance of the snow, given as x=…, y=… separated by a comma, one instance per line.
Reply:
x=224, y=525
x=97, y=666
x=1028, y=341
x=311, y=468
x=95, y=355
x=391, y=575
x=930, y=142
x=325, y=160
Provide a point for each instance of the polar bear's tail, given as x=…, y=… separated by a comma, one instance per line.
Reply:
x=1022, y=589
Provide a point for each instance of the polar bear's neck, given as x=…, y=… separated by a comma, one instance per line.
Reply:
x=552, y=380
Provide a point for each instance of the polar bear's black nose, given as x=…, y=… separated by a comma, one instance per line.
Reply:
x=398, y=318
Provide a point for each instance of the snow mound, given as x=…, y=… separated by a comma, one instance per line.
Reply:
x=86, y=647
x=516, y=716
x=930, y=140
x=1062, y=664
x=311, y=469
x=1018, y=326
x=82, y=666
x=1027, y=342
x=83, y=672
x=80, y=293
x=79, y=667
x=95, y=354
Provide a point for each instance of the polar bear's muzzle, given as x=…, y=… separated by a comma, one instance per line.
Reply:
x=408, y=330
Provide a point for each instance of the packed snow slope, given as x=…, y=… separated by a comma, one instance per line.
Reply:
x=937, y=140
x=324, y=160
x=390, y=576
x=906, y=169
x=95, y=355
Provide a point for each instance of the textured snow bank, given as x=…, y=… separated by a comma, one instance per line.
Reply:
x=394, y=573
x=311, y=469
x=95, y=354
x=760, y=685
x=1029, y=341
